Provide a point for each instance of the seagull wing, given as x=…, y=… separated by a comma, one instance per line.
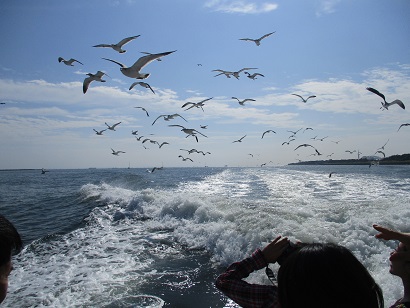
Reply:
x=266, y=35
x=120, y=64
x=176, y=125
x=298, y=96
x=116, y=124
x=247, y=68
x=86, y=84
x=186, y=104
x=377, y=93
x=144, y=60
x=149, y=87
x=126, y=40
x=405, y=124
x=398, y=102
x=158, y=118
x=177, y=115
x=134, y=84
x=103, y=45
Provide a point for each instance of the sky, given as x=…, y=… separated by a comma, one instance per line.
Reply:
x=332, y=49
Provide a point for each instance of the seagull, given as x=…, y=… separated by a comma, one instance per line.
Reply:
x=288, y=141
x=239, y=140
x=257, y=41
x=99, y=132
x=351, y=152
x=236, y=74
x=68, y=62
x=304, y=100
x=142, y=84
x=116, y=152
x=168, y=117
x=203, y=126
x=134, y=70
x=190, y=151
x=307, y=128
x=144, y=110
x=91, y=78
x=405, y=124
x=118, y=46
x=189, y=131
x=253, y=76
x=185, y=159
x=134, y=132
x=197, y=105
x=139, y=138
x=160, y=145
x=113, y=126
x=330, y=174
x=307, y=145
x=385, y=104
x=43, y=171
x=268, y=131
x=243, y=101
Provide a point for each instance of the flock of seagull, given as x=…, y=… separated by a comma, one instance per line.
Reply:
x=134, y=72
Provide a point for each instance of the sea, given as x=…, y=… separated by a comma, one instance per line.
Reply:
x=135, y=238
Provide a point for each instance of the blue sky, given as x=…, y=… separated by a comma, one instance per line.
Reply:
x=331, y=49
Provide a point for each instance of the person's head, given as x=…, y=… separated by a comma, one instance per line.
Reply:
x=400, y=262
x=326, y=275
x=10, y=242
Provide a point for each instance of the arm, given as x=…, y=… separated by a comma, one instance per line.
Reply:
x=231, y=282
x=388, y=234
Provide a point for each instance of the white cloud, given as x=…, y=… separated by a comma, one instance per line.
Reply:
x=241, y=6
x=327, y=7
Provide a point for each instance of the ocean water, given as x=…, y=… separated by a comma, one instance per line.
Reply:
x=130, y=238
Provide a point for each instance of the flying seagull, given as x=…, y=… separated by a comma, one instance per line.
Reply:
x=268, y=131
x=288, y=141
x=99, y=132
x=144, y=110
x=385, y=104
x=242, y=102
x=113, y=126
x=68, y=62
x=307, y=145
x=185, y=159
x=197, y=105
x=239, y=140
x=91, y=78
x=134, y=70
x=118, y=46
x=304, y=100
x=253, y=76
x=189, y=131
x=405, y=124
x=142, y=84
x=257, y=41
x=116, y=152
x=168, y=117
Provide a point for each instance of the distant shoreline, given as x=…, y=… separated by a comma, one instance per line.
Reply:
x=403, y=159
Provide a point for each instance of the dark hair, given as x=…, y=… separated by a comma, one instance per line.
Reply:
x=10, y=240
x=326, y=275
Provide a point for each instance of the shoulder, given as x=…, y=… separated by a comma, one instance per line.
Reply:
x=398, y=304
